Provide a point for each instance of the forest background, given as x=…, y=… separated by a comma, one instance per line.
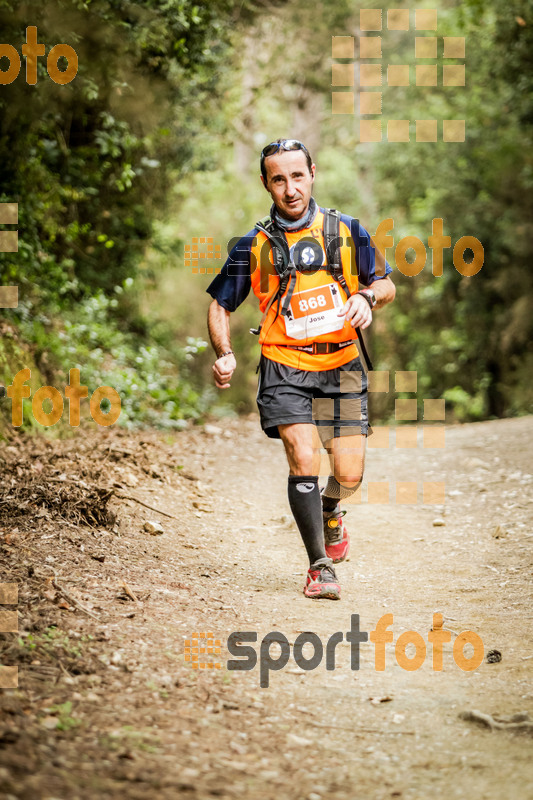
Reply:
x=156, y=141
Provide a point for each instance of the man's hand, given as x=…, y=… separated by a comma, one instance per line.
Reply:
x=357, y=311
x=223, y=369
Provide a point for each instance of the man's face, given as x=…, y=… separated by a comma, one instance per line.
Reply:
x=289, y=182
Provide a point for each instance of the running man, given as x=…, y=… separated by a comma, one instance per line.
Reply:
x=318, y=278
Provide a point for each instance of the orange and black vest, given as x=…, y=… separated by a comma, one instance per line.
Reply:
x=302, y=305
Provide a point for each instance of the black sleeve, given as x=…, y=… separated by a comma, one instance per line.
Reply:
x=232, y=285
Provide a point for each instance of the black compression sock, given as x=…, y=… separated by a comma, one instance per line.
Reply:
x=306, y=506
x=329, y=503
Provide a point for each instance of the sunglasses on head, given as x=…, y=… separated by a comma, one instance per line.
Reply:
x=285, y=144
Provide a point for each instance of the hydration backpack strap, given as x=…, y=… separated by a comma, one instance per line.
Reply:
x=278, y=242
x=282, y=265
x=286, y=302
x=332, y=244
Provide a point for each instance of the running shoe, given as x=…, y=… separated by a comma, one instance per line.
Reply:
x=322, y=581
x=336, y=536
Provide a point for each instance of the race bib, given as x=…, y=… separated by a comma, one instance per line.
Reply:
x=314, y=312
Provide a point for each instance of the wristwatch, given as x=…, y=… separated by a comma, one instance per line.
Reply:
x=369, y=296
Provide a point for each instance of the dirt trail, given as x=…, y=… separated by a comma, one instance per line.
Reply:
x=108, y=707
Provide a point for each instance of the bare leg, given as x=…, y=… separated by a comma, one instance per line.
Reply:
x=347, y=458
x=302, y=448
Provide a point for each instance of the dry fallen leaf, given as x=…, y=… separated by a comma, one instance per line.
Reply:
x=377, y=700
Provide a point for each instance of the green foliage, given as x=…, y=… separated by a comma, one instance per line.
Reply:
x=87, y=161
x=470, y=336
x=134, y=738
x=156, y=140
x=90, y=164
x=467, y=338
x=65, y=720
x=153, y=382
x=280, y=68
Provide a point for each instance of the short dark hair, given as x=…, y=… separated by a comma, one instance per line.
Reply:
x=280, y=146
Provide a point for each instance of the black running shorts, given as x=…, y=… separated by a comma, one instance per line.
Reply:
x=335, y=400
